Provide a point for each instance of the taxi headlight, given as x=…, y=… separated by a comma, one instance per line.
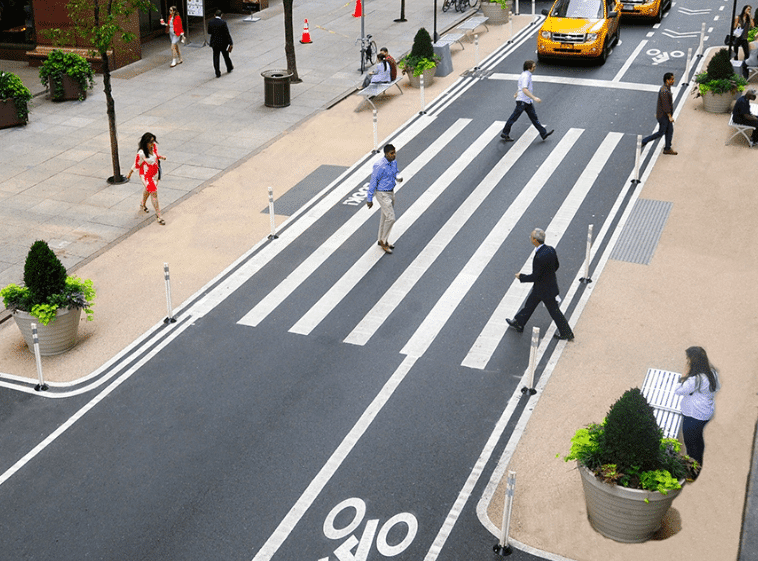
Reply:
x=546, y=35
x=591, y=37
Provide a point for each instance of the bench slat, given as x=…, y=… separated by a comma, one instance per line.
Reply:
x=658, y=388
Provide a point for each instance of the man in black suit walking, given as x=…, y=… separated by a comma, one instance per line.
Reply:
x=545, y=290
x=221, y=43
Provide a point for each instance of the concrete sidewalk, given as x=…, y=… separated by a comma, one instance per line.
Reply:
x=53, y=184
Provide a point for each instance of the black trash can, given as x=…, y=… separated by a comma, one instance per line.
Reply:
x=276, y=87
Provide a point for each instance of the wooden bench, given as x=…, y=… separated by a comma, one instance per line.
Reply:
x=41, y=52
x=450, y=38
x=377, y=88
x=658, y=388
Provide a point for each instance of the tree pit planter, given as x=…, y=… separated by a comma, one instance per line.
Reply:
x=718, y=103
x=54, y=338
x=9, y=114
x=71, y=89
x=428, y=75
x=621, y=513
x=496, y=14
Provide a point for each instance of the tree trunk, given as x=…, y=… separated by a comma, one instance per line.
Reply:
x=117, y=177
x=289, y=41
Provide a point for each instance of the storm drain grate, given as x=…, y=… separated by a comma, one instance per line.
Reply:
x=305, y=190
x=640, y=235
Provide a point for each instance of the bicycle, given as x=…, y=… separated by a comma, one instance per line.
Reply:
x=368, y=52
x=460, y=5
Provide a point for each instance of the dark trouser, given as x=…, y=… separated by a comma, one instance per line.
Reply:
x=664, y=127
x=743, y=121
x=227, y=60
x=693, y=437
x=552, y=308
x=522, y=106
x=742, y=42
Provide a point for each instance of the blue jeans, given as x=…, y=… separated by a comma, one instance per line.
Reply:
x=522, y=106
x=664, y=127
x=692, y=430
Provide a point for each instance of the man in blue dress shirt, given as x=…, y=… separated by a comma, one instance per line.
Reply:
x=382, y=186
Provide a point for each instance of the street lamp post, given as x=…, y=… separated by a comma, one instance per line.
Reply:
x=402, y=12
x=437, y=37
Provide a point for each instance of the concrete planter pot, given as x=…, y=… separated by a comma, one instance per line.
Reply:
x=496, y=13
x=622, y=514
x=428, y=75
x=717, y=103
x=54, y=338
x=9, y=114
x=71, y=89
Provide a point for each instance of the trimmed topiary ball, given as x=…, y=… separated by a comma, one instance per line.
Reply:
x=44, y=274
x=631, y=436
x=422, y=45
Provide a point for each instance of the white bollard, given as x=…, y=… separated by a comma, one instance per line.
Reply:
x=272, y=218
x=476, y=52
x=503, y=548
x=637, y=155
x=687, y=68
x=167, y=276
x=529, y=378
x=376, y=131
x=42, y=386
x=423, y=105
x=702, y=40
x=510, y=29
x=534, y=8
x=586, y=278
x=518, y=12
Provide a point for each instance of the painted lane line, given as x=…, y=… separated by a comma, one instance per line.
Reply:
x=53, y=436
x=318, y=483
x=493, y=332
x=629, y=61
x=446, y=305
x=304, y=221
x=392, y=298
x=285, y=288
x=360, y=268
x=581, y=82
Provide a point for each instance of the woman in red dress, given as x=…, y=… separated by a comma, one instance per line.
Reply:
x=147, y=165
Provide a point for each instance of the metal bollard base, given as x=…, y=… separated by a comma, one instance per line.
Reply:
x=585, y=280
x=530, y=391
x=273, y=237
x=502, y=551
x=41, y=388
x=169, y=320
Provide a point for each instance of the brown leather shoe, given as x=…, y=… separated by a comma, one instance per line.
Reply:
x=385, y=247
x=670, y=151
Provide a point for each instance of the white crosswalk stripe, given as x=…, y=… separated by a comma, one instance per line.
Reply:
x=495, y=329
x=446, y=305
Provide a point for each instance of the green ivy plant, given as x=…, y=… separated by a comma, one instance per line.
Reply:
x=47, y=288
x=76, y=66
x=628, y=449
x=12, y=88
x=719, y=76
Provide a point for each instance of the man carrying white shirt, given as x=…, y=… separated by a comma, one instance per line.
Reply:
x=525, y=101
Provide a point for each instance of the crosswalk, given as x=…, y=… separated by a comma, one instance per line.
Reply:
x=390, y=300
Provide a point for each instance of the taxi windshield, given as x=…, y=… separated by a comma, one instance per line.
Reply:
x=582, y=9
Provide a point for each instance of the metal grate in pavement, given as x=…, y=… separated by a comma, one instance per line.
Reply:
x=304, y=191
x=640, y=236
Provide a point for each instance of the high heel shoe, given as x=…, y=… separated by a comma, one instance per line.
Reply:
x=161, y=221
x=144, y=208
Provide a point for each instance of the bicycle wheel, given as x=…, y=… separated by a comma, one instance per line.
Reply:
x=371, y=53
x=446, y=5
x=460, y=5
x=473, y=3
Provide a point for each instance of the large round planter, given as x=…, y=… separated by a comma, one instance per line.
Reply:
x=495, y=13
x=622, y=514
x=54, y=338
x=71, y=89
x=9, y=114
x=428, y=75
x=717, y=103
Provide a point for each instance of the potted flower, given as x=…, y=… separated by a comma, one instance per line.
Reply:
x=49, y=298
x=14, y=100
x=67, y=75
x=630, y=473
x=719, y=83
x=420, y=61
x=497, y=11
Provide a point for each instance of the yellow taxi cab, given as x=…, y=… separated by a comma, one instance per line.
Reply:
x=646, y=8
x=580, y=29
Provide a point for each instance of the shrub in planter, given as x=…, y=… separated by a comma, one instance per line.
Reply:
x=422, y=55
x=719, y=76
x=12, y=88
x=73, y=65
x=47, y=288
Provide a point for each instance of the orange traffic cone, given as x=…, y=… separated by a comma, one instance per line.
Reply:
x=306, y=34
x=358, y=8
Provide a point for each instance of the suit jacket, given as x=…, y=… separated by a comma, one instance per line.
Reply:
x=544, y=266
x=219, y=32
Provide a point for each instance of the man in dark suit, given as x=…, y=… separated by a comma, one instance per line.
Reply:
x=221, y=43
x=545, y=290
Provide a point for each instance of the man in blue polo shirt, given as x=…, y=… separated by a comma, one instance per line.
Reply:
x=525, y=101
x=382, y=185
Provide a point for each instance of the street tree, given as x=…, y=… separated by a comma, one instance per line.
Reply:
x=289, y=41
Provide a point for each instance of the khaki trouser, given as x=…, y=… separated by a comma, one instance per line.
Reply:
x=386, y=200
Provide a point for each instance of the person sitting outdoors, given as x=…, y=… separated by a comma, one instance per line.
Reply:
x=391, y=61
x=742, y=115
x=382, y=73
